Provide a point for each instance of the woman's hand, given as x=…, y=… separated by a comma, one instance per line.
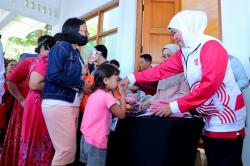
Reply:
x=163, y=111
x=144, y=105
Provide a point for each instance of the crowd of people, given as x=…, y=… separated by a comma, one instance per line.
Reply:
x=57, y=109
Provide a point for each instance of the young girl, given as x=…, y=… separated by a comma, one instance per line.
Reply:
x=97, y=117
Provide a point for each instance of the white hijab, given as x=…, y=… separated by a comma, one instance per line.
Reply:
x=192, y=24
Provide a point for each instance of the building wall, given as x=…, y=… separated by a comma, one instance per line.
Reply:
x=235, y=29
x=236, y=38
x=18, y=7
x=76, y=9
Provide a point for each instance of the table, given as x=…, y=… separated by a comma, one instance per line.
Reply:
x=153, y=141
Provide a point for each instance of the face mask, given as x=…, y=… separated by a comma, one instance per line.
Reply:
x=82, y=40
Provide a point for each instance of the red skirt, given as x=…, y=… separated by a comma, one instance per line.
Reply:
x=36, y=147
x=9, y=156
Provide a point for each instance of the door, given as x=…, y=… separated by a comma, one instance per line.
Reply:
x=157, y=14
x=153, y=17
x=212, y=9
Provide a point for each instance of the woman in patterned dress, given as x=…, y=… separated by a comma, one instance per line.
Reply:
x=35, y=145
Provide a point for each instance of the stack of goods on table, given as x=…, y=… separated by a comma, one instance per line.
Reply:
x=134, y=100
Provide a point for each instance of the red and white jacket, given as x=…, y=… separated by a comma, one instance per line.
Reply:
x=214, y=92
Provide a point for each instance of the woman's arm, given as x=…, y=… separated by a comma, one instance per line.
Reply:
x=18, y=76
x=171, y=66
x=14, y=91
x=36, y=81
x=214, y=61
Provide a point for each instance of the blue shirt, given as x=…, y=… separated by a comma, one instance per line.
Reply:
x=26, y=55
x=239, y=72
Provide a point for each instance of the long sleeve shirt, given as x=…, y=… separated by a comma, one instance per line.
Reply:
x=239, y=72
x=2, y=71
x=171, y=88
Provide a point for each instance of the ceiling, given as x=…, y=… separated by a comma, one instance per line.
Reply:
x=19, y=26
x=20, y=17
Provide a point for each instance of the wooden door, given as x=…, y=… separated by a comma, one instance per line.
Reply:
x=212, y=9
x=153, y=17
x=157, y=14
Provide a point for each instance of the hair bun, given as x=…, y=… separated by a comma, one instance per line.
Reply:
x=47, y=41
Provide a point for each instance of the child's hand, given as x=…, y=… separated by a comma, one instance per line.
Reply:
x=144, y=105
x=122, y=90
x=124, y=83
x=87, y=87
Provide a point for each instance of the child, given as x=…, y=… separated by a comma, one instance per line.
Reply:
x=97, y=117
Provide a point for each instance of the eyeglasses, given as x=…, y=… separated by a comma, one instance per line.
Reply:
x=95, y=52
x=85, y=32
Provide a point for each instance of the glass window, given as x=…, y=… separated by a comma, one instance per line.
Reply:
x=88, y=48
x=92, y=25
x=110, y=42
x=110, y=19
x=106, y=19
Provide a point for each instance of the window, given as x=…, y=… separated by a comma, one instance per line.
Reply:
x=102, y=27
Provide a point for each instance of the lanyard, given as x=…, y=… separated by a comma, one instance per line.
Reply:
x=186, y=60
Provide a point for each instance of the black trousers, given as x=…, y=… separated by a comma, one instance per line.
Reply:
x=223, y=152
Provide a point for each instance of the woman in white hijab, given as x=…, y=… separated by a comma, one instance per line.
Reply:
x=214, y=92
x=171, y=88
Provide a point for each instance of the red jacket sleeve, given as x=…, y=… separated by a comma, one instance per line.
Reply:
x=171, y=66
x=214, y=61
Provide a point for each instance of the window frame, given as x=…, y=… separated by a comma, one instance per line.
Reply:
x=100, y=13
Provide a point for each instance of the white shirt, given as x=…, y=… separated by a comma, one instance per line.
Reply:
x=2, y=71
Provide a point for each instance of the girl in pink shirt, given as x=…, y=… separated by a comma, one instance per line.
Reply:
x=97, y=117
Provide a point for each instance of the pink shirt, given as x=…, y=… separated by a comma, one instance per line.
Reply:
x=97, y=118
